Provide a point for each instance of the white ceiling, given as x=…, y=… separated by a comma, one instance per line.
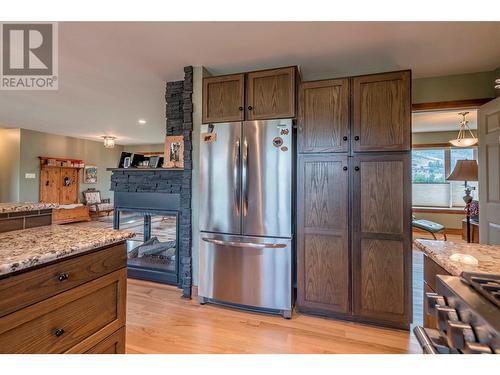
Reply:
x=112, y=74
x=438, y=121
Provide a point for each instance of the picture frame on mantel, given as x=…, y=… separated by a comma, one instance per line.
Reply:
x=174, y=152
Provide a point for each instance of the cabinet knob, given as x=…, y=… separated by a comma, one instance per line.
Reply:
x=59, y=332
x=241, y=108
x=344, y=168
x=344, y=137
x=250, y=107
x=356, y=168
x=63, y=276
x=356, y=138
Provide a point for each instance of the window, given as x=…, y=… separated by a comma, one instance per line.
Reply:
x=430, y=167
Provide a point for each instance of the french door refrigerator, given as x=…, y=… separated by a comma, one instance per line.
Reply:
x=246, y=215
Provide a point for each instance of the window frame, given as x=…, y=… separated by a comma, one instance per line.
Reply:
x=446, y=147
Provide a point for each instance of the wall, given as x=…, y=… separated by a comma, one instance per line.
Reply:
x=34, y=144
x=435, y=137
x=454, y=87
x=160, y=147
x=10, y=142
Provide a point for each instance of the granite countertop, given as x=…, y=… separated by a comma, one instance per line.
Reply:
x=27, y=206
x=459, y=257
x=23, y=249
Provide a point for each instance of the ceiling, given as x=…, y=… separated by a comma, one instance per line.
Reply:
x=438, y=121
x=112, y=74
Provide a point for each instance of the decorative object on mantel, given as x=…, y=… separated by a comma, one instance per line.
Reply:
x=109, y=141
x=465, y=170
x=90, y=174
x=462, y=140
x=174, y=152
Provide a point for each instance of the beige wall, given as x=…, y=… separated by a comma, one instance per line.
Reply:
x=144, y=148
x=454, y=87
x=9, y=164
x=434, y=137
x=34, y=144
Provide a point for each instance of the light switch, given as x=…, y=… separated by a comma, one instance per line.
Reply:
x=30, y=175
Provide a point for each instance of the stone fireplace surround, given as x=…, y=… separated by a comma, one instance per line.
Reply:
x=168, y=185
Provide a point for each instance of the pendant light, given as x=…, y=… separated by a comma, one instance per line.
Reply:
x=462, y=140
x=109, y=142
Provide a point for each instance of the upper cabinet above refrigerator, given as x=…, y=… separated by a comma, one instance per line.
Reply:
x=260, y=95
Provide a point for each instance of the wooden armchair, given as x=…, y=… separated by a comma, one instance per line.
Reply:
x=92, y=199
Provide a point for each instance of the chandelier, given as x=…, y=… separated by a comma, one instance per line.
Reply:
x=463, y=139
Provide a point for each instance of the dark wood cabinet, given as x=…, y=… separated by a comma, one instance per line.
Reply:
x=270, y=94
x=261, y=95
x=324, y=116
x=223, y=98
x=381, y=238
x=381, y=109
x=323, y=242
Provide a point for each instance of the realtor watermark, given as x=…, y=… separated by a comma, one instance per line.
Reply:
x=29, y=56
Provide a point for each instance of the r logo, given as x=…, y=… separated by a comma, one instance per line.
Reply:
x=27, y=49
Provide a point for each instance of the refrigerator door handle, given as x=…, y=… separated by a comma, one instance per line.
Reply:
x=245, y=244
x=244, y=171
x=237, y=190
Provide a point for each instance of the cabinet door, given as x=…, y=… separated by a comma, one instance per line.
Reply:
x=50, y=178
x=69, y=186
x=324, y=116
x=270, y=94
x=223, y=98
x=323, y=248
x=381, y=239
x=382, y=112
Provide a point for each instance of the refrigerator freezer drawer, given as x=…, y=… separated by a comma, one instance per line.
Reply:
x=243, y=270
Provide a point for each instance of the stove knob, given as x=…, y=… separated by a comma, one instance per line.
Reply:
x=433, y=300
x=458, y=334
x=477, y=348
x=445, y=313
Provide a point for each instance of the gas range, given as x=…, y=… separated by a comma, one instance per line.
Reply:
x=467, y=309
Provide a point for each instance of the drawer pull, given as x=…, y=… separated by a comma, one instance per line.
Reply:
x=59, y=332
x=63, y=276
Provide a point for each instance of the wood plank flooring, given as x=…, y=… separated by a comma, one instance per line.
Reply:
x=160, y=321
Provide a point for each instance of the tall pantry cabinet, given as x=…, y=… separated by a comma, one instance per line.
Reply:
x=354, y=198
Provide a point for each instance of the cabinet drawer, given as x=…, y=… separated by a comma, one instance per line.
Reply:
x=24, y=289
x=431, y=269
x=113, y=344
x=76, y=319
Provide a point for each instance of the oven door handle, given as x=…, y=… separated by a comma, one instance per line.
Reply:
x=425, y=341
x=244, y=244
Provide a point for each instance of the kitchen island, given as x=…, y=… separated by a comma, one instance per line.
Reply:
x=62, y=290
x=451, y=258
x=16, y=216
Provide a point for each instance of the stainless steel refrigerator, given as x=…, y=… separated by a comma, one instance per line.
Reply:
x=246, y=215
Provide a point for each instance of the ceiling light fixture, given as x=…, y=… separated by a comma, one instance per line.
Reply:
x=141, y=121
x=109, y=142
x=497, y=83
x=462, y=140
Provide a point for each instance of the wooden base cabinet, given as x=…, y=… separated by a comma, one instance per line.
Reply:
x=323, y=247
x=75, y=305
x=381, y=238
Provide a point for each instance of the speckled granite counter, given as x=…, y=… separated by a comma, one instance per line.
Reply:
x=459, y=257
x=21, y=207
x=23, y=249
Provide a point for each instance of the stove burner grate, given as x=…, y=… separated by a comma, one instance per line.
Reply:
x=488, y=285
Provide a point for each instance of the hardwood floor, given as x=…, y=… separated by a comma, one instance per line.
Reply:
x=160, y=321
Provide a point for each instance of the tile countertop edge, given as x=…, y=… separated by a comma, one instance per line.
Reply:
x=488, y=256
x=25, y=249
